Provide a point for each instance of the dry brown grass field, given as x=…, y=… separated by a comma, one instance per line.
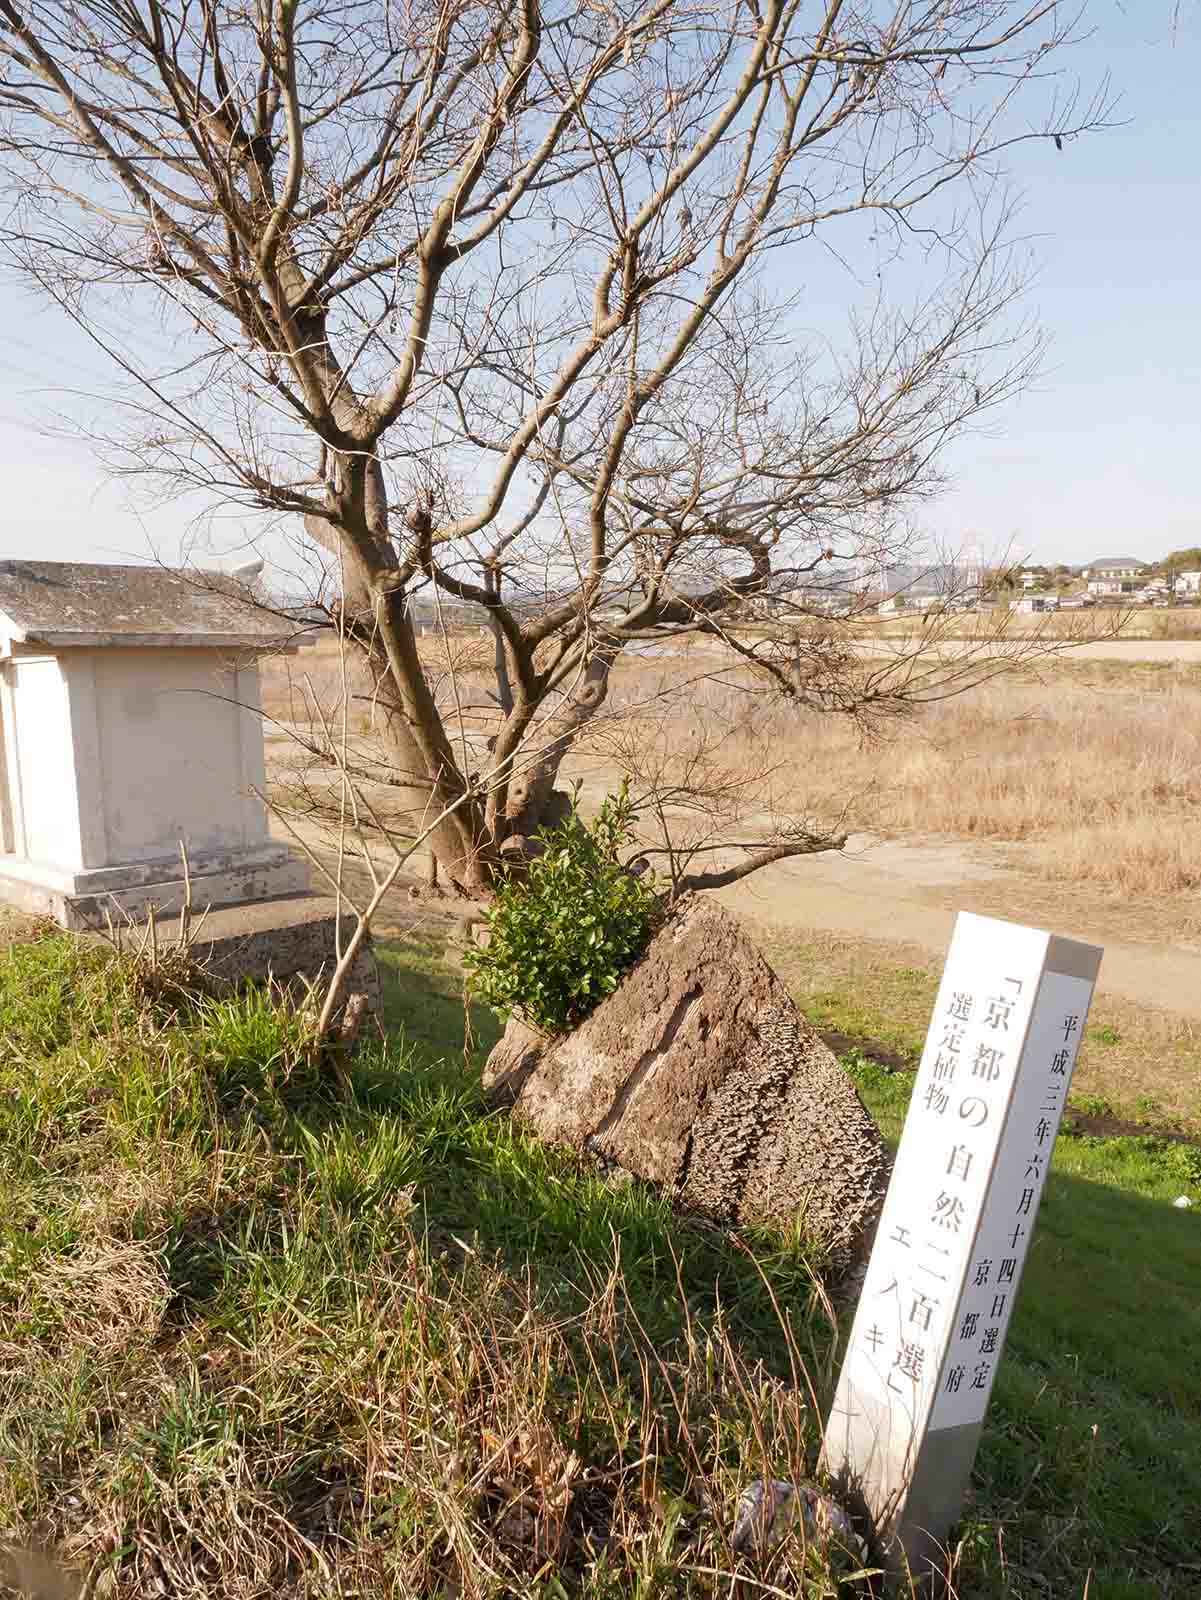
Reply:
x=1072, y=797
x=1092, y=768
x=1175, y=623
x=1098, y=774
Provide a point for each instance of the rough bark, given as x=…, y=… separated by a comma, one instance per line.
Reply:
x=529, y=792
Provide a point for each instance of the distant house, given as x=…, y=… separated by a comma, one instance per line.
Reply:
x=1117, y=576
x=911, y=600
x=1099, y=587
x=1035, y=602
x=1188, y=583
x=1116, y=569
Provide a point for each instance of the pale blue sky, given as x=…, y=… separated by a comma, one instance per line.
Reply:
x=1102, y=458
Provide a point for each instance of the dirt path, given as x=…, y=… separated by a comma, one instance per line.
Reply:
x=910, y=890
x=871, y=926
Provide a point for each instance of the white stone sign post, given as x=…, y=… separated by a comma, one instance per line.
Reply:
x=954, y=1231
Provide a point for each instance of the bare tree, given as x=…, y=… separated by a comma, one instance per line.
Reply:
x=486, y=297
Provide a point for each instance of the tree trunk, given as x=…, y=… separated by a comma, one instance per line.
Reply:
x=420, y=750
x=462, y=859
x=531, y=791
x=375, y=612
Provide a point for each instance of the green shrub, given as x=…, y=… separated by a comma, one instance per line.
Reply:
x=564, y=931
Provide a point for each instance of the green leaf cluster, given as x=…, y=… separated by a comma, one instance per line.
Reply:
x=564, y=930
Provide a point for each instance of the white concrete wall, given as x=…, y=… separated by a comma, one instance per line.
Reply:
x=9, y=816
x=41, y=766
x=253, y=773
x=164, y=751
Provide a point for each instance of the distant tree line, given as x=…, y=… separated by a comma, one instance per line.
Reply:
x=1182, y=561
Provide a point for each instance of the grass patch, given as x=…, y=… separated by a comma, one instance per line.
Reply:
x=262, y=1339
x=871, y=994
x=1090, y=1438
x=425, y=1001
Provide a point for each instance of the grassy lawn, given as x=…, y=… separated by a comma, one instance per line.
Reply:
x=1091, y=1453
x=259, y=1337
x=262, y=1337
x=1139, y=1065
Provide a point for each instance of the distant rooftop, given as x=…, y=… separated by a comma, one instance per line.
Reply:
x=1116, y=561
x=59, y=603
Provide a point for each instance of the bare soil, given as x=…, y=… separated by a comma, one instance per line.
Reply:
x=1081, y=1124
x=910, y=890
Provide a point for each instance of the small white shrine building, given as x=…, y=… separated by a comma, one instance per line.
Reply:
x=129, y=726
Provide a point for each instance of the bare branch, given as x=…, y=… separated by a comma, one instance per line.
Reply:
x=494, y=308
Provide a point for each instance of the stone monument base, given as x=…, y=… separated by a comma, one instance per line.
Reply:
x=88, y=899
x=292, y=941
x=296, y=938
